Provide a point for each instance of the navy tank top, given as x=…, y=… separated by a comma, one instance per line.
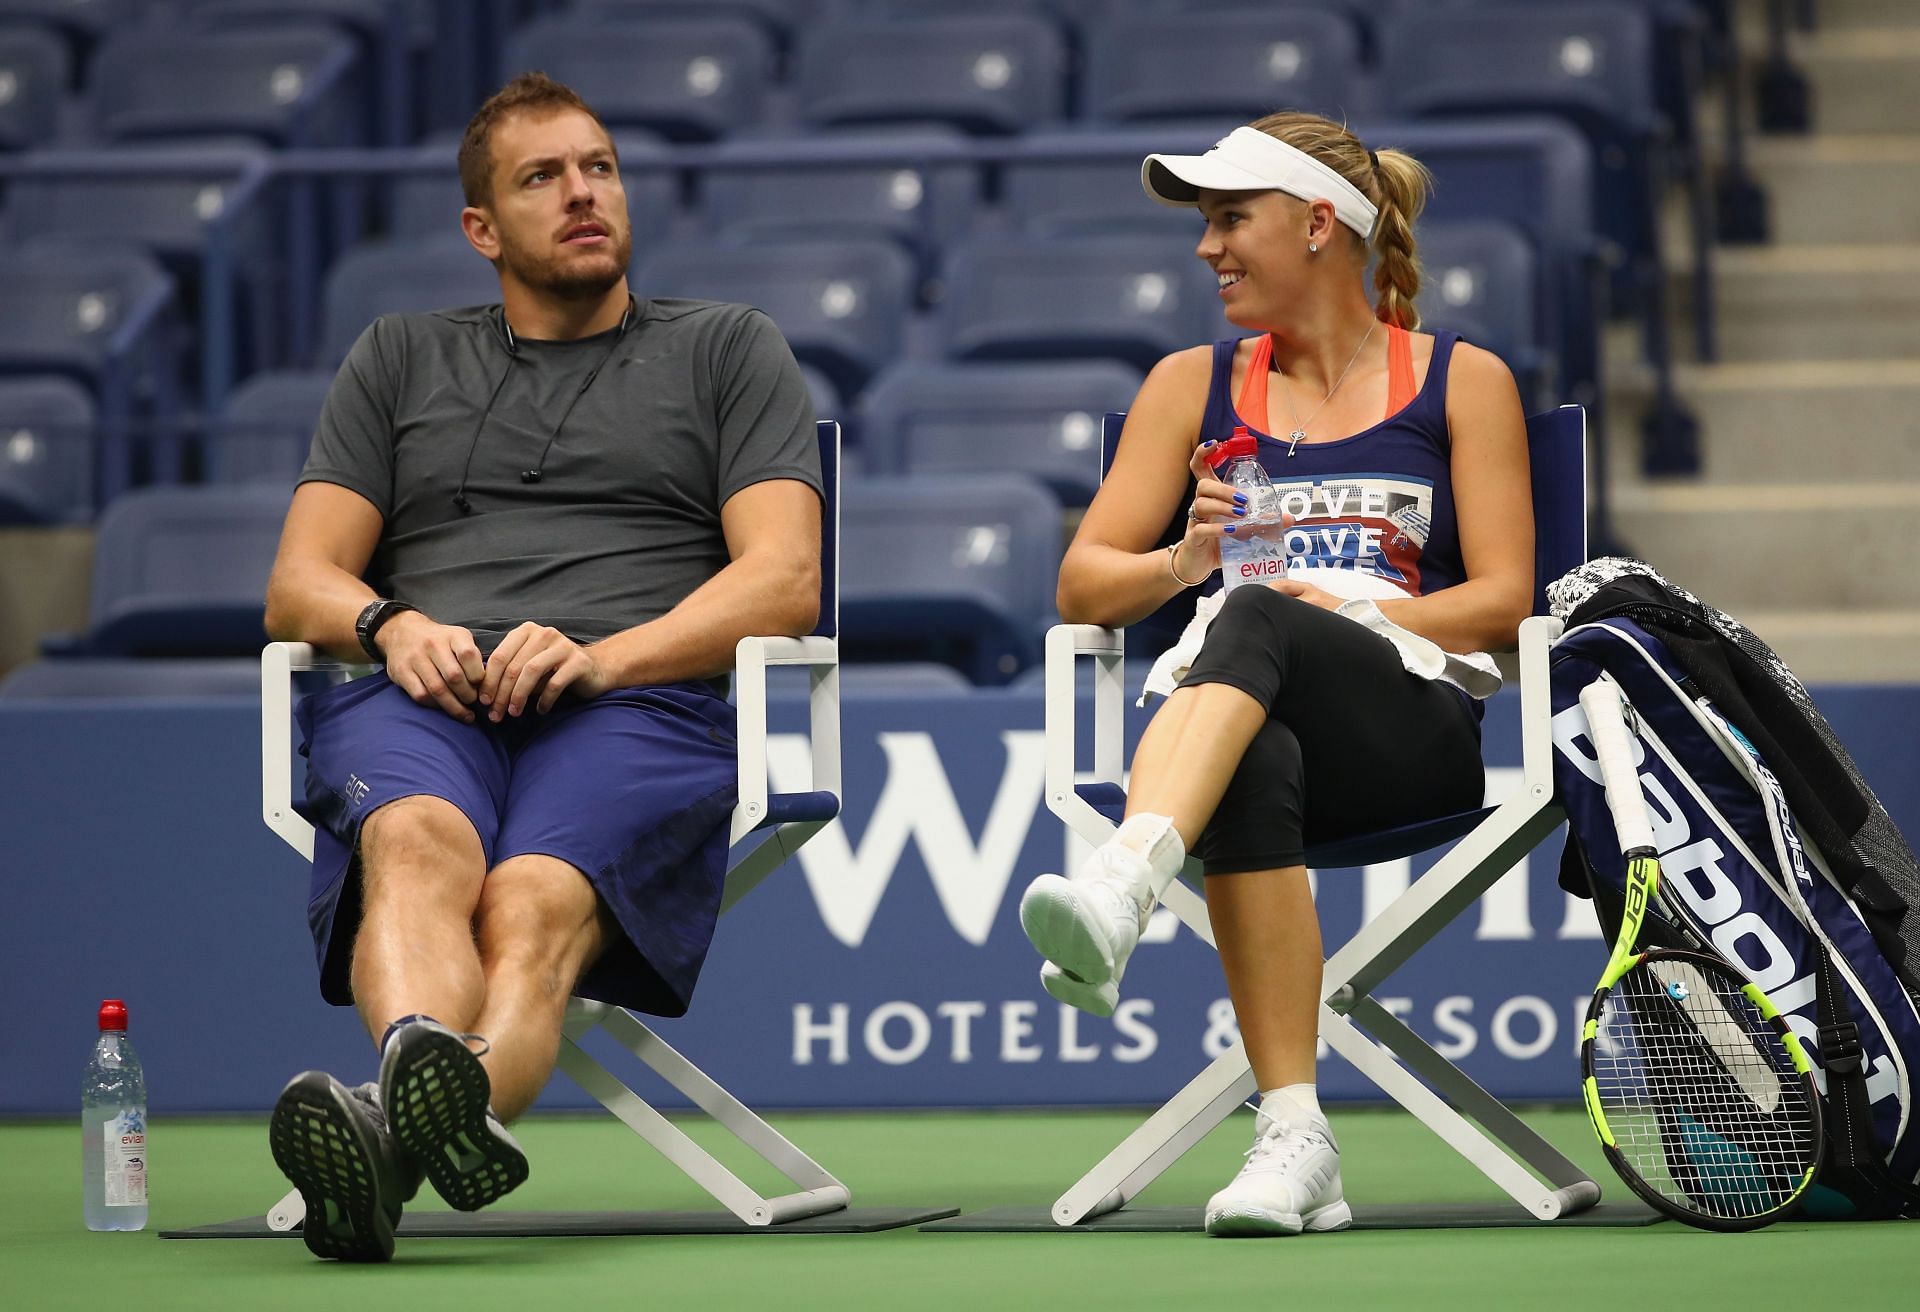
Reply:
x=1380, y=501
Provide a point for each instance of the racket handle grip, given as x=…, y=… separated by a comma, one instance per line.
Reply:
x=1607, y=727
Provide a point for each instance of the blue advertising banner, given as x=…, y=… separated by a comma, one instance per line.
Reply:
x=883, y=967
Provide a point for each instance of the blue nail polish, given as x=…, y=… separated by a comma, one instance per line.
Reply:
x=1205, y=445
x=1229, y=528
x=1240, y=498
x=1239, y=510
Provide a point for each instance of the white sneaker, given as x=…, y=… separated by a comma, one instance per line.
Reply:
x=1291, y=1181
x=1094, y=999
x=1088, y=925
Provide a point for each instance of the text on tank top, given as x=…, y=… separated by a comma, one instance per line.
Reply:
x=1379, y=501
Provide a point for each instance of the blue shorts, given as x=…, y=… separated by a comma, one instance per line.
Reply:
x=634, y=788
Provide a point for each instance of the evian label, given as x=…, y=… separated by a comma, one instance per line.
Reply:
x=1265, y=567
x=126, y=1159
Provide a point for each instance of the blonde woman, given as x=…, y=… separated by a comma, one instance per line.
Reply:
x=1342, y=699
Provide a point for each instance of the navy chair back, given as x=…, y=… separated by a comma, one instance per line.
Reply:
x=263, y=432
x=1480, y=279
x=292, y=86
x=33, y=69
x=688, y=78
x=828, y=431
x=46, y=450
x=842, y=305
x=1238, y=64
x=984, y=73
x=403, y=276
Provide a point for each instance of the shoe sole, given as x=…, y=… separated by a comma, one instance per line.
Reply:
x=1058, y=924
x=324, y=1150
x=436, y=1099
x=1075, y=993
x=1252, y=1223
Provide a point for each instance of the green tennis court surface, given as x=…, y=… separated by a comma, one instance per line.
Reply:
x=216, y=1170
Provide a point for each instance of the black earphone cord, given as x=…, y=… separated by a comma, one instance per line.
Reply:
x=535, y=474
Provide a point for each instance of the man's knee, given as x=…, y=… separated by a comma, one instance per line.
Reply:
x=540, y=912
x=427, y=842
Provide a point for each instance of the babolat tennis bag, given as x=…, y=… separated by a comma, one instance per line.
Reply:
x=1774, y=854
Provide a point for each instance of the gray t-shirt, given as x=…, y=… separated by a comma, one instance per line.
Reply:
x=652, y=430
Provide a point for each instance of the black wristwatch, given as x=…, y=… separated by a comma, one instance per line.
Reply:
x=377, y=613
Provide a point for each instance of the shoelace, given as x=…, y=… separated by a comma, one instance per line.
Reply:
x=1281, y=1145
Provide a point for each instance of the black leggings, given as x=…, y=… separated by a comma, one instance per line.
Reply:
x=1383, y=747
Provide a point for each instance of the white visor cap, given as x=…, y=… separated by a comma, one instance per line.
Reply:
x=1247, y=159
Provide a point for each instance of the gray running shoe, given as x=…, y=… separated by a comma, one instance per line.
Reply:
x=342, y=1163
x=435, y=1093
x=407, y=1171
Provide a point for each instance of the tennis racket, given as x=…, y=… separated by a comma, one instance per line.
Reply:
x=1702, y=1098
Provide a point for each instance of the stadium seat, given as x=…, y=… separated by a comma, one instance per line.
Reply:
x=46, y=451
x=427, y=203
x=1235, y=64
x=842, y=305
x=956, y=569
x=989, y=73
x=181, y=571
x=1037, y=418
x=784, y=820
x=919, y=188
x=1478, y=279
x=691, y=79
x=33, y=82
x=399, y=277
x=150, y=679
x=782, y=19
x=287, y=86
x=1366, y=17
x=100, y=314
x=1134, y=298
x=383, y=29
x=826, y=398
x=1489, y=841
x=263, y=432
x=1085, y=180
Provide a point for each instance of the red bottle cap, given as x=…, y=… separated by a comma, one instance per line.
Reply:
x=113, y=1014
x=1242, y=443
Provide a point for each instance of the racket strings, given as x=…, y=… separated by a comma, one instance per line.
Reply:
x=1700, y=1093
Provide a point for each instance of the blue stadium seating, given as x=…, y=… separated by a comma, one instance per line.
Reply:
x=918, y=188
x=1038, y=418
x=1134, y=298
x=688, y=79
x=1078, y=180
x=956, y=569
x=399, y=277
x=827, y=403
x=291, y=86
x=781, y=18
x=262, y=434
x=46, y=450
x=81, y=21
x=181, y=571
x=1238, y=64
x=149, y=679
x=842, y=305
x=100, y=314
x=1479, y=280
x=33, y=77
x=427, y=203
x=991, y=73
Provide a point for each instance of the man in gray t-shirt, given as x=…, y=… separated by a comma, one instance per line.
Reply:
x=551, y=520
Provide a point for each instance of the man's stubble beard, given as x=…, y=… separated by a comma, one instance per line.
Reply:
x=546, y=274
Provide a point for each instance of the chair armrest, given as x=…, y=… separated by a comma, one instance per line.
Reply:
x=279, y=662
x=1538, y=633
x=751, y=657
x=1065, y=644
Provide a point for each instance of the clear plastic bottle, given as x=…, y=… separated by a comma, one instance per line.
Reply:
x=1256, y=550
x=113, y=1128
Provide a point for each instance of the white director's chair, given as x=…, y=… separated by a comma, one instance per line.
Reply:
x=785, y=821
x=1352, y=1023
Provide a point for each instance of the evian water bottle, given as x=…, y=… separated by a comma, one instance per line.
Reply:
x=113, y=1129
x=1256, y=550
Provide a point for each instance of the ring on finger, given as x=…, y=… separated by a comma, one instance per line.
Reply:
x=1193, y=514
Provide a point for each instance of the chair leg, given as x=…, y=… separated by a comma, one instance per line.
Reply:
x=1453, y=1093
x=819, y=1191
x=1162, y=1139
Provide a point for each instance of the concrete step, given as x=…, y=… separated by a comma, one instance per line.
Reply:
x=1814, y=421
x=1761, y=546
x=1861, y=76
x=1827, y=647
x=1750, y=20
x=1812, y=302
x=1829, y=189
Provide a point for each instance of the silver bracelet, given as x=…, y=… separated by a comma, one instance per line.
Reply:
x=1171, y=569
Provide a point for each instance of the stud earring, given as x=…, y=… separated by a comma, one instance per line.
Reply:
x=1313, y=247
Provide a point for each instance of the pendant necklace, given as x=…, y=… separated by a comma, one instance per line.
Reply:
x=1299, y=433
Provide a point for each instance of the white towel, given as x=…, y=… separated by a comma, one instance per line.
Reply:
x=1474, y=673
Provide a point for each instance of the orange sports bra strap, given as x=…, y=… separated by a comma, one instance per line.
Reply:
x=1251, y=405
x=1400, y=388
